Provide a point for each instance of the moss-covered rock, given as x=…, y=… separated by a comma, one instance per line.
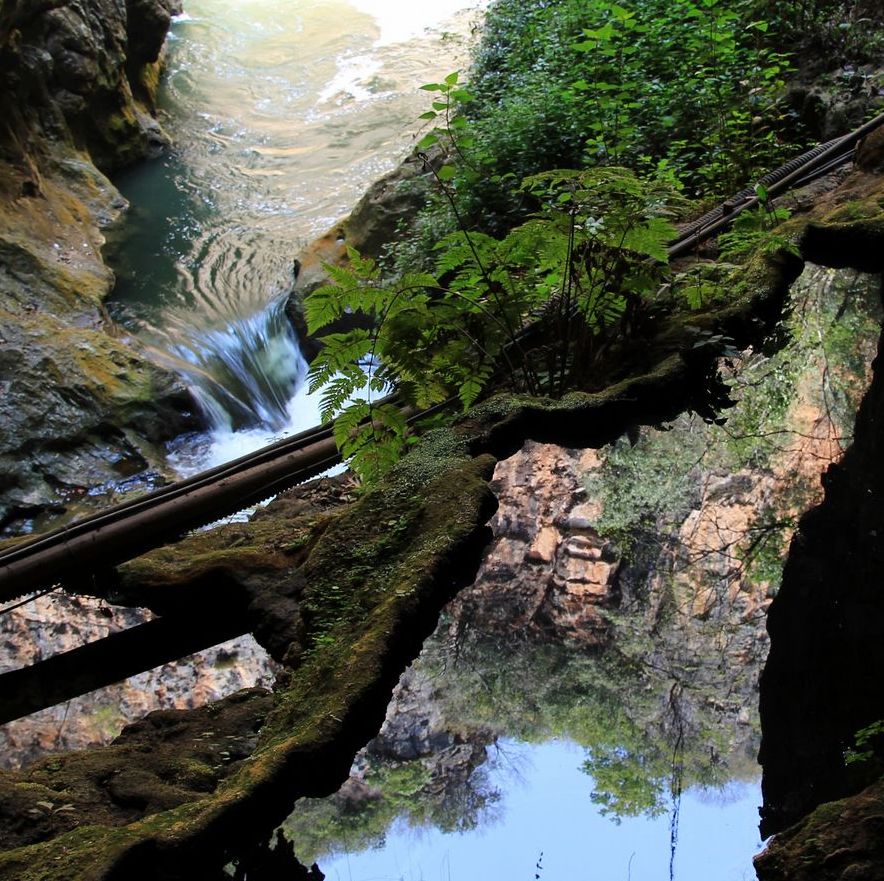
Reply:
x=839, y=841
x=169, y=758
x=385, y=586
x=80, y=405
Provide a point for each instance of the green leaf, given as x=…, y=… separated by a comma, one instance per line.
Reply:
x=446, y=173
x=427, y=140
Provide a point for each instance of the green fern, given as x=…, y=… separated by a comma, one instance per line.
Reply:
x=753, y=230
x=595, y=247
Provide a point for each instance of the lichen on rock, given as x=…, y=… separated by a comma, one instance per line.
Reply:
x=81, y=406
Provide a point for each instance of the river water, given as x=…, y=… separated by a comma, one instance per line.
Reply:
x=281, y=116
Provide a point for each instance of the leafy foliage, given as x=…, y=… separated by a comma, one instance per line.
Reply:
x=691, y=86
x=583, y=262
x=867, y=744
x=644, y=99
x=755, y=229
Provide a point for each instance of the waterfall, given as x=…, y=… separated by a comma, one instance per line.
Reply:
x=245, y=373
x=280, y=123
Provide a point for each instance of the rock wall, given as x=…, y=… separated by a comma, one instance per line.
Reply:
x=547, y=569
x=59, y=623
x=822, y=680
x=827, y=632
x=80, y=407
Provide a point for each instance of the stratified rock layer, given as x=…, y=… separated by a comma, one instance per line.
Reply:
x=547, y=569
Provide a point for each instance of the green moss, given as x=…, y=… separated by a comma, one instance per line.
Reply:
x=839, y=840
x=388, y=561
x=870, y=206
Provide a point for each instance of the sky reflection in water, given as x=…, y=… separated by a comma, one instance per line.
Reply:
x=546, y=809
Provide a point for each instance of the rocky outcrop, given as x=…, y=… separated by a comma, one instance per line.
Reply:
x=840, y=841
x=378, y=222
x=58, y=623
x=79, y=405
x=372, y=578
x=827, y=633
x=547, y=571
x=83, y=71
x=182, y=755
x=821, y=682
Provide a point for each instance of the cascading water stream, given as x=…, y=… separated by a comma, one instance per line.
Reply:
x=243, y=374
x=280, y=119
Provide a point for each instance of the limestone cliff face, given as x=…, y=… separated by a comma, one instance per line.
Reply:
x=79, y=406
x=547, y=569
x=59, y=623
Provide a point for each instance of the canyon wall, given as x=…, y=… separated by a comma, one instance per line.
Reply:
x=79, y=405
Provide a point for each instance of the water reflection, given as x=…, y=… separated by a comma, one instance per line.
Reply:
x=593, y=695
x=549, y=831
x=501, y=748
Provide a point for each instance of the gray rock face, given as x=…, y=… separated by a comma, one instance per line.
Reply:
x=80, y=406
x=79, y=71
x=414, y=726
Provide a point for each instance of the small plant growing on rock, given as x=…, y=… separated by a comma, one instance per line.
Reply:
x=531, y=310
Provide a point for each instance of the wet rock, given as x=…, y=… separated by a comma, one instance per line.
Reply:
x=91, y=72
x=379, y=220
x=80, y=405
x=839, y=841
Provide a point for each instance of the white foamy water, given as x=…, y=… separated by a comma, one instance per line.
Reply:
x=401, y=20
x=282, y=115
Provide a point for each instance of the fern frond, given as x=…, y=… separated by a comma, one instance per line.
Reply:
x=649, y=239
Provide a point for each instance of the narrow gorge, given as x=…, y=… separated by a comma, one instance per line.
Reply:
x=599, y=622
